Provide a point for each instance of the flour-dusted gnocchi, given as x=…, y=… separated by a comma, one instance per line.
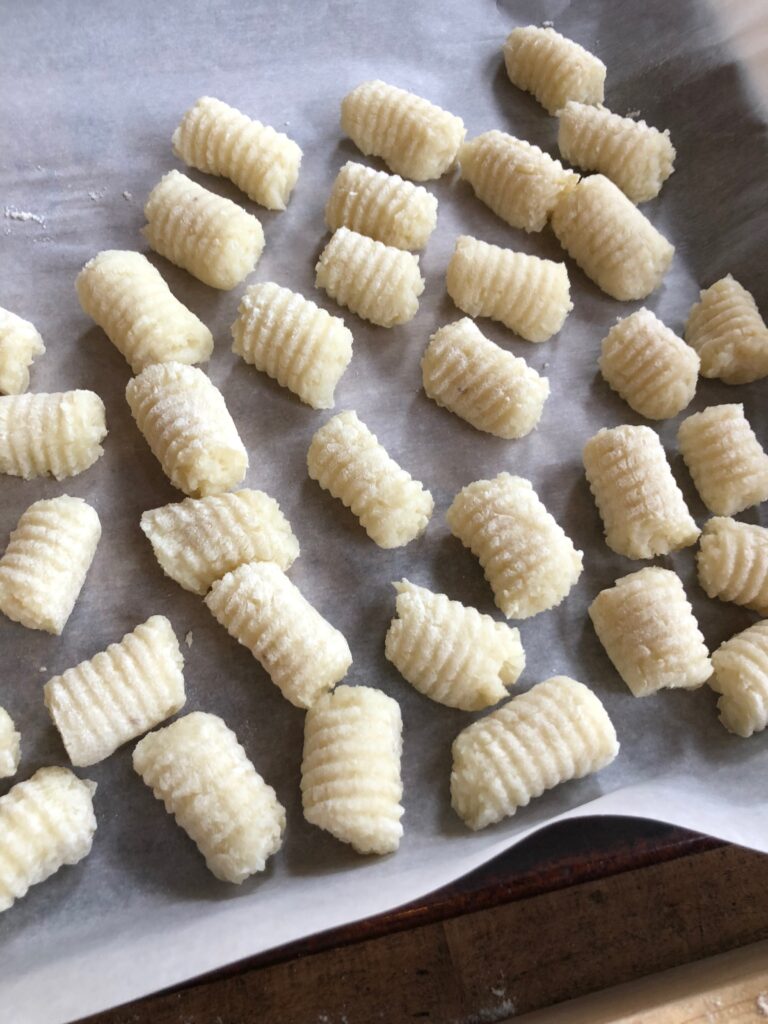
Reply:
x=517, y=180
x=211, y=237
x=199, y=540
x=652, y=369
x=133, y=305
x=295, y=342
x=414, y=137
x=741, y=676
x=495, y=391
x=450, y=652
x=527, y=558
x=642, y=508
x=732, y=562
x=350, y=772
x=378, y=282
x=20, y=343
x=46, y=822
x=557, y=731
x=56, y=434
x=554, y=69
x=47, y=559
x=635, y=156
x=300, y=651
x=382, y=206
x=203, y=776
x=346, y=459
x=10, y=746
x=725, y=459
x=646, y=625
x=610, y=239
x=219, y=139
x=530, y=296
x=187, y=425
x=726, y=329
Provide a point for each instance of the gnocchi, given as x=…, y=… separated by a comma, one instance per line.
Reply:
x=732, y=563
x=10, y=746
x=726, y=329
x=553, y=68
x=741, y=677
x=56, y=435
x=20, y=343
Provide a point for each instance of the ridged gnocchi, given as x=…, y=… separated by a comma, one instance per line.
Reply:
x=732, y=562
x=726, y=329
x=56, y=434
x=20, y=343
x=10, y=746
x=553, y=68
x=741, y=677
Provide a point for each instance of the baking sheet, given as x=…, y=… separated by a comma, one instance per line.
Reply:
x=90, y=98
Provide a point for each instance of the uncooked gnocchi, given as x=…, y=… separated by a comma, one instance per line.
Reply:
x=726, y=329
x=20, y=342
x=553, y=68
x=54, y=435
x=741, y=676
x=10, y=746
x=732, y=562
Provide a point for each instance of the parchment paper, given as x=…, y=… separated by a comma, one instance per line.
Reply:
x=90, y=97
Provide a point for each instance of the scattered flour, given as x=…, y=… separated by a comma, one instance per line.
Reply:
x=632, y=113
x=13, y=214
x=547, y=24
x=189, y=639
x=96, y=194
x=43, y=668
x=127, y=195
x=761, y=1004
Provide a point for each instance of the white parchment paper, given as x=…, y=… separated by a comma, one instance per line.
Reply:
x=90, y=97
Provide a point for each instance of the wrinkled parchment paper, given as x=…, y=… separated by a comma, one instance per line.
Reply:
x=90, y=97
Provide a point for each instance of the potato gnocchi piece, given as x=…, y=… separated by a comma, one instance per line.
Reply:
x=516, y=179
x=732, y=562
x=204, y=778
x=47, y=559
x=346, y=459
x=530, y=296
x=646, y=625
x=725, y=459
x=350, y=772
x=450, y=652
x=557, y=731
x=741, y=676
x=10, y=746
x=642, y=508
x=56, y=434
x=553, y=68
x=726, y=329
x=199, y=540
x=134, y=307
x=300, y=651
x=414, y=137
x=45, y=822
x=526, y=556
x=652, y=369
x=295, y=342
x=20, y=342
x=219, y=139
x=382, y=206
x=635, y=156
x=187, y=426
x=612, y=242
x=491, y=389
x=378, y=282
x=211, y=237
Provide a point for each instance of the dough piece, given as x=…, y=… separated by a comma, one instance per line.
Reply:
x=134, y=307
x=45, y=564
x=487, y=386
x=350, y=773
x=346, y=459
x=382, y=206
x=527, y=558
x=741, y=676
x=54, y=435
x=299, y=345
x=652, y=369
x=45, y=823
x=725, y=459
x=646, y=625
x=20, y=342
x=554, y=69
x=218, y=139
x=517, y=180
x=530, y=296
x=733, y=563
x=10, y=746
x=610, y=239
x=726, y=329
x=557, y=731
x=204, y=778
x=414, y=137
x=635, y=156
x=450, y=652
x=187, y=426
x=120, y=693
x=642, y=508
x=302, y=653
x=211, y=237
x=378, y=282
x=199, y=540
